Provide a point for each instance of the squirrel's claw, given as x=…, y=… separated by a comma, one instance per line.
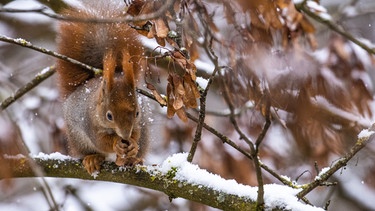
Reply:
x=93, y=162
x=132, y=161
x=128, y=161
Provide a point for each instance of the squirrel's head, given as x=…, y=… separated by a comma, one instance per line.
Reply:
x=119, y=109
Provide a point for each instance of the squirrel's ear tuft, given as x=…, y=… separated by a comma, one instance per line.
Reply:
x=109, y=66
x=127, y=68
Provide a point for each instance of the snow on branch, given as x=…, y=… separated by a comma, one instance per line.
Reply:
x=175, y=177
x=364, y=137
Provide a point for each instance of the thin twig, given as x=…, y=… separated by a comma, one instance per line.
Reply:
x=267, y=115
x=222, y=137
x=202, y=110
x=259, y=140
x=361, y=143
x=43, y=75
x=28, y=44
x=232, y=116
x=160, y=12
x=263, y=133
x=214, y=59
x=36, y=169
x=253, y=150
x=226, y=140
x=334, y=27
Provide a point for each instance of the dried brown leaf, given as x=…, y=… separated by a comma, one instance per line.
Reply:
x=170, y=100
x=135, y=7
x=161, y=27
x=158, y=97
x=182, y=115
x=191, y=91
x=186, y=64
x=178, y=91
x=264, y=14
x=194, y=53
x=297, y=23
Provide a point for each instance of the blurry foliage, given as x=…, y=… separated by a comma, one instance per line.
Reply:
x=319, y=98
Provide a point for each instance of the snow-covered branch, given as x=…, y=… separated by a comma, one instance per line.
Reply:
x=175, y=177
x=364, y=137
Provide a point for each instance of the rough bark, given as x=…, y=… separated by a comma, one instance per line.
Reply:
x=140, y=176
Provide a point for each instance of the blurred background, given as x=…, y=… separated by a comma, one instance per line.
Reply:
x=335, y=73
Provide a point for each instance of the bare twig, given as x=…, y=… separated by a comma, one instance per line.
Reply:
x=302, y=7
x=222, y=137
x=43, y=75
x=320, y=179
x=202, y=110
x=28, y=44
x=35, y=168
x=226, y=140
x=207, y=45
x=253, y=150
x=267, y=115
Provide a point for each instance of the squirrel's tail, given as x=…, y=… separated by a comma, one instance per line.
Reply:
x=90, y=42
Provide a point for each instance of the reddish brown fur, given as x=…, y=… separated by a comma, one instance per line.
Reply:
x=91, y=43
x=109, y=66
x=101, y=114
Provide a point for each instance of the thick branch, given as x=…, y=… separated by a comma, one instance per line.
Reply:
x=141, y=176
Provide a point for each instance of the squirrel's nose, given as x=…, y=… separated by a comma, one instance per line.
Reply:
x=125, y=134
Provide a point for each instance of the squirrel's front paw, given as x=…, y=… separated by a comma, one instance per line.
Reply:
x=125, y=148
x=93, y=162
x=126, y=153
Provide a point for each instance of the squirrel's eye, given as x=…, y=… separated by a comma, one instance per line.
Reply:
x=109, y=115
x=136, y=114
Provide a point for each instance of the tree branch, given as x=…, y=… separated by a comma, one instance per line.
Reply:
x=202, y=110
x=303, y=7
x=43, y=75
x=228, y=141
x=142, y=176
x=325, y=175
x=27, y=44
x=144, y=17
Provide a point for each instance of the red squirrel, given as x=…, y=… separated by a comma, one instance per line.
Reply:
x=102, y=114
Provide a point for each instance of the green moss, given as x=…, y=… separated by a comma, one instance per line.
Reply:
x=171, y=173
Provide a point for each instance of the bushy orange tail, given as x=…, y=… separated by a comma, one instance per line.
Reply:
x=94, y=43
